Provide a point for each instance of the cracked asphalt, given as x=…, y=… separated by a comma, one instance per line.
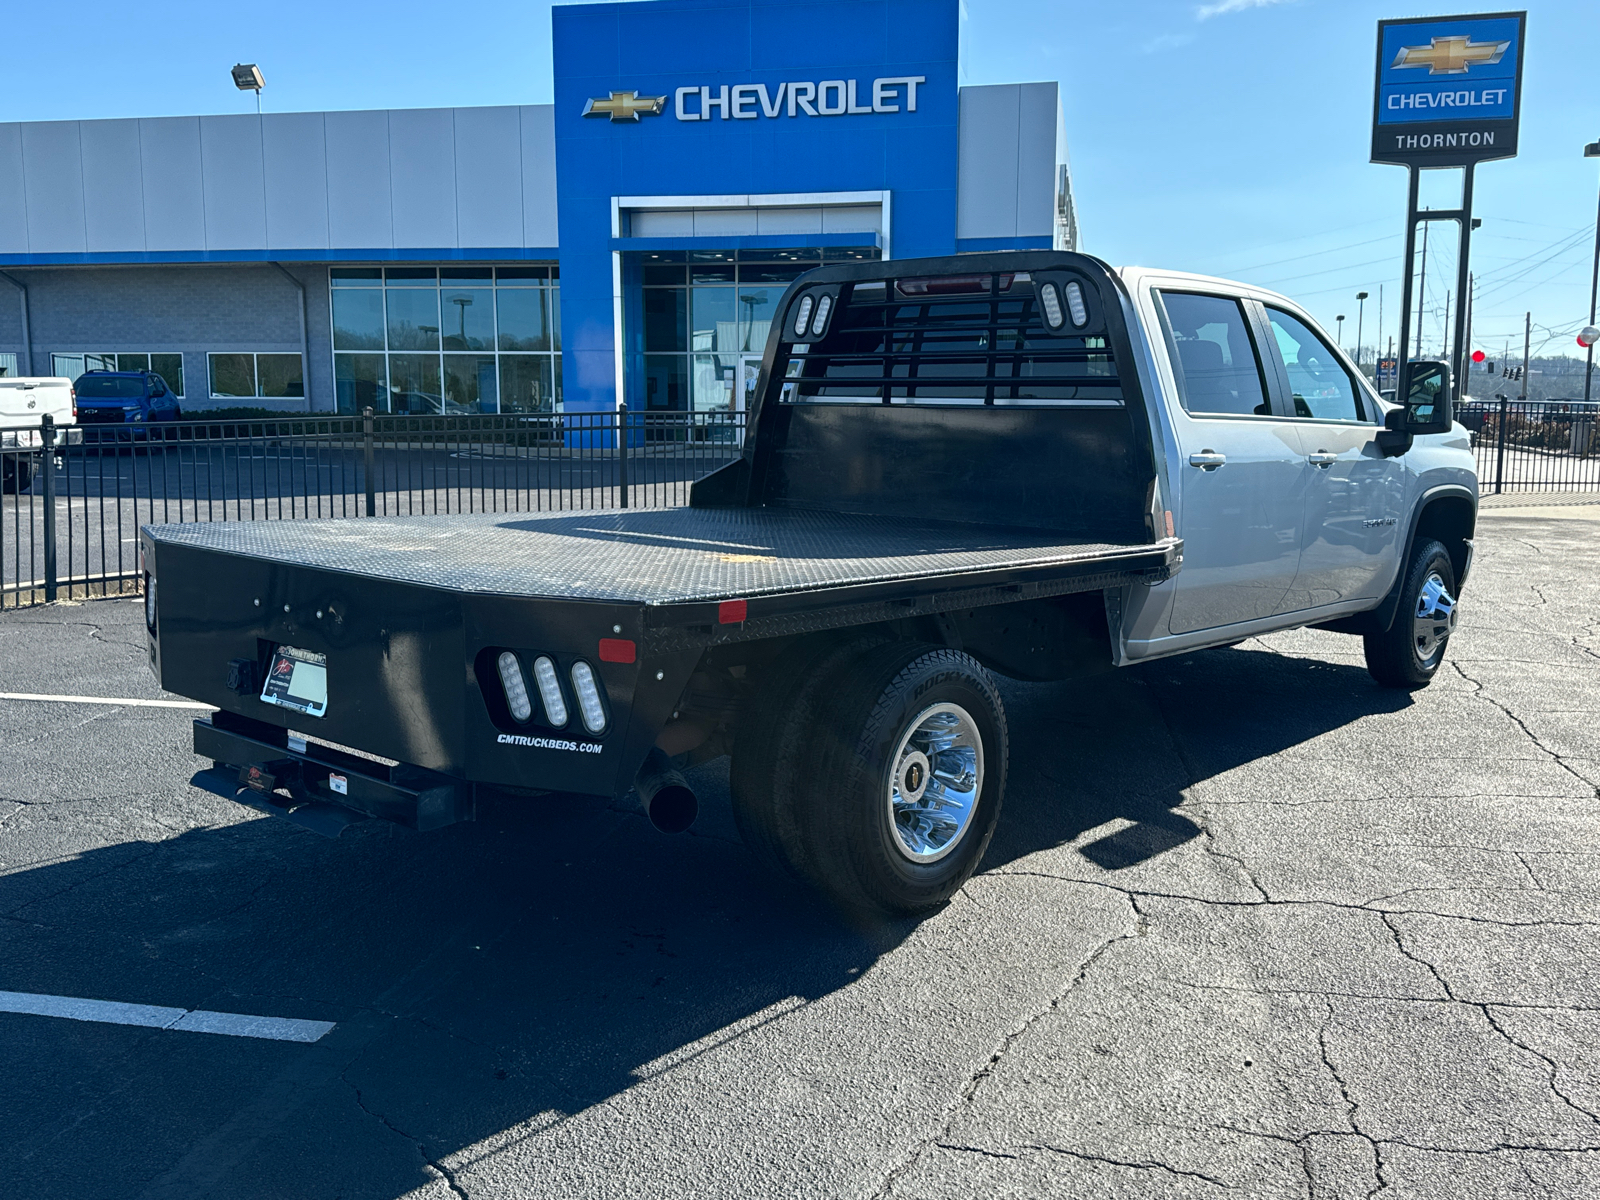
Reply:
x=1250, y=925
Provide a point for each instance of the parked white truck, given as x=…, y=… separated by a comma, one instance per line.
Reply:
x=1025, y=463
x=24, y=403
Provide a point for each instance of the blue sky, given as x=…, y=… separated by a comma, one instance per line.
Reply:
x=1225, y=136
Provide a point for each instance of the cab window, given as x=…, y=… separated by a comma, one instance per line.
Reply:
x=1319, y=386
x=1213, y=356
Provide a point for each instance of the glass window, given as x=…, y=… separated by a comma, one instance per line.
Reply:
x=714, y=377
x=233, y=375
x=133, y=362
x=470, y=384
x=527, y=384
x=757, y=307
x=772, y=272
x=279, y=375
x=358, y=319
x=712, y=272
x=96, y=387
x=412, y=276
x=1321, y=387
x=356, y=276
x=666, y=382
x=666, y=318
x=657, y=275
x=413, y=318
x=522, y=276
x=468, y=318
x=524, y=318
x=359, y=382
x=414, y=385
x=468, y=276
x=8, y=365
x=170, y=368
x=1213, y=355
x=714, y=316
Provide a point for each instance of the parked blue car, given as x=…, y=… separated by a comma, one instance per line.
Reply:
x=120, y=407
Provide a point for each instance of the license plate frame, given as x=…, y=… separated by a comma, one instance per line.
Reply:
x=298, y=680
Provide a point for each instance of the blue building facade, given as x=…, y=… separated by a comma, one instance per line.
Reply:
x=628, y=242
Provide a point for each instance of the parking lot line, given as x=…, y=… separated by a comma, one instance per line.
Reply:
x=38, y=696
x=187, y=1020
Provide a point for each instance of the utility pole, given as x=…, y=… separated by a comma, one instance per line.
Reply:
x=1592, y=150
x=1527, y=340
x=1422, y=288
x=1444, y=343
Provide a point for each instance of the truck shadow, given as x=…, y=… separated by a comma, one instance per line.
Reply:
x=496, y=979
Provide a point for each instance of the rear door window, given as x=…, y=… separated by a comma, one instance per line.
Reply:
x=1319, y=386
x=1214, y=356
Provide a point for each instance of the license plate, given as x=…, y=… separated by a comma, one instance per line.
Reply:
x=297, y=679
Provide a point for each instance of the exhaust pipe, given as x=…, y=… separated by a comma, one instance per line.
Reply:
x=668, y=800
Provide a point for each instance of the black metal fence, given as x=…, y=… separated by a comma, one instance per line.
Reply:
x=1535, y=445
x=73, y=498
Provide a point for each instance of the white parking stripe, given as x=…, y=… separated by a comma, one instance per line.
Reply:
x=198, y=1020
x=105, y=700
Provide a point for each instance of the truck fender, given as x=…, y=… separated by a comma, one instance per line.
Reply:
x=1381, y=618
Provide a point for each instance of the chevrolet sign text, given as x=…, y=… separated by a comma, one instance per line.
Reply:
x=830, y=98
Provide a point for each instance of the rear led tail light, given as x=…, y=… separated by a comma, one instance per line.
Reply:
x=824, y=307
x=583, y=682
x=802, y=316
x=555, y=706
x=516, y=690
x=1050, y=301
x=150, y=602
x=1076, y=306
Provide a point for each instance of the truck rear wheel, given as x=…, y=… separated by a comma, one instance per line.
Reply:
x=904, y=778
x=1411, y=652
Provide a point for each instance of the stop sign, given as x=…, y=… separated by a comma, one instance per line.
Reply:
x=1478, y=356
x=1589, y=336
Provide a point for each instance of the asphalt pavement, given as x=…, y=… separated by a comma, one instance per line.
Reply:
x=1251, y=925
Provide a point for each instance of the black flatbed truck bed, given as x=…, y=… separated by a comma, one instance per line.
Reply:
x=903, y=525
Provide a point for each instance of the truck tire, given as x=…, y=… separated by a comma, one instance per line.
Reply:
x=906, y=722
x=1410, y=653
x=769, y=742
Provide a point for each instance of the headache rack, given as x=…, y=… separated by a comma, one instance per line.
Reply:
x=985, y=388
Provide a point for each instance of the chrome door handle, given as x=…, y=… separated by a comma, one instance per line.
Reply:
x=1322, y=459
x=1207, y=460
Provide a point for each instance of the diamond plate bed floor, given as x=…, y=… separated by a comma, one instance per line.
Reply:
x=659, y=556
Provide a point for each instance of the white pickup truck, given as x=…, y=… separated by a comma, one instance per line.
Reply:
x=24, y=403
x=1025, y=463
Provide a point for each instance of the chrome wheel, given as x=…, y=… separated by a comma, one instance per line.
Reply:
x=937, y=779
x=1433, y=620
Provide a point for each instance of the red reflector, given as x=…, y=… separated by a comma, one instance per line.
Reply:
x=731, y=612
x=618, y=650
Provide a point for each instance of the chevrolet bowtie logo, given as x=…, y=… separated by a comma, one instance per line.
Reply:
x=625, y=106
x=1451, y=55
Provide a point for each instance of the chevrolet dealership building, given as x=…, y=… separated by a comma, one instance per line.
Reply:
x=629, y=241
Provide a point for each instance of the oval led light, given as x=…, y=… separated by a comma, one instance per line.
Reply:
x=150, y=602
x=1076, y=306
x=802, y=316
x=824, y=307
x=594, y=713
x=1050, y=301
x=516, y=690
x=555, y=706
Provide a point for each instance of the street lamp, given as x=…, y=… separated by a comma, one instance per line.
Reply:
x=1592, y=150
x=1339, y=336
x=247, y=77
x=1361, y=316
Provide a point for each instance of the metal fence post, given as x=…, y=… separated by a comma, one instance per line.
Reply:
x=366, y=448
x=47, y=462
x=1500, y=450
x=622, y=451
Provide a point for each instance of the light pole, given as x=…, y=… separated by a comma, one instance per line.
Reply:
x=247, y=77
x=1361, y=314
x=1592, y=150
x=1339, y=336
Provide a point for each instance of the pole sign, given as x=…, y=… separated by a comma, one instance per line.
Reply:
x=1449, y=89
x=1388, y=371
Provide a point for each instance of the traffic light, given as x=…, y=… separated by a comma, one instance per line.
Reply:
x=1489, y=367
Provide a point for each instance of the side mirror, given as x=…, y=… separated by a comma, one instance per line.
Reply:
x=1429, y=398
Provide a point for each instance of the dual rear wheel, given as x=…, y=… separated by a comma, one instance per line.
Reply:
x=873, y=771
